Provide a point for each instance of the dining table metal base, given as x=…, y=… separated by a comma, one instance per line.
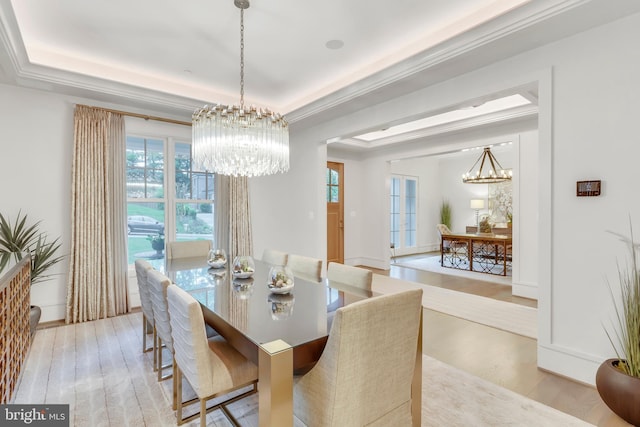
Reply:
x=275, y=384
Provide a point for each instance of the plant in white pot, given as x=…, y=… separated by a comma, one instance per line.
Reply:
x=18, y=238
x=618, y=379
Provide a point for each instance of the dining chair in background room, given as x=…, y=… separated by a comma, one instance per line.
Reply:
x=350, y=386
x=158, y=284
x=350, y=275
x=211, y=366
x=455, y=251
x=188, y=249
x=305, y=267
x=274, y=257
x=142, y=269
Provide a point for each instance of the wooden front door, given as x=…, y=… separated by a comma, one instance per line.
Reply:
x=335, y=212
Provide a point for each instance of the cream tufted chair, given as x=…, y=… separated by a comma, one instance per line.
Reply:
x=188, y=249
x=350, y=275
x=365, y=373
x=305, y=267
x=274, y=257
x=212, y=367
x=142, y=268
x=158, y=284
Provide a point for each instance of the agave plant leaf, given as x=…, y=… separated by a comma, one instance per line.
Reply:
x=4, y=259
x=19, y=238
x=43, y=257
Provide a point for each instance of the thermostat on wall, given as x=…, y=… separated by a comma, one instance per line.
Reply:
x=588, y=188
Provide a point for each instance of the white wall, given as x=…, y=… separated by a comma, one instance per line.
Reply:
x=36, y=145
x=288, y=210
x=524, y=280
x=595, y=79
x=586, y=131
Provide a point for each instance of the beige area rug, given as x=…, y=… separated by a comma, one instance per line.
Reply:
x=453, y=398
x=432, y=264
x=98, y=368
x=507, y=316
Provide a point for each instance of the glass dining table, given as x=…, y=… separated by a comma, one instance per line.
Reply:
x=284, y=334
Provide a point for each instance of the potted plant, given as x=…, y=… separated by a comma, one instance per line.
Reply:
x=19, y=238
x=445, y=213
x=157, y=243
x=618, y=379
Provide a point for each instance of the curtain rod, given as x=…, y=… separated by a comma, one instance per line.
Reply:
x=141, y=116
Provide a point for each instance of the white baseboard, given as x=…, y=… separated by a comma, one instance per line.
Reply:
x=568, y=363
x=525, y=290
x=416, y=250
x=51, y=313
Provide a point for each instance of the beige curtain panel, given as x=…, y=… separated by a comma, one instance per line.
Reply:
x=233, y=230
x=98, y=286
x=233, y=216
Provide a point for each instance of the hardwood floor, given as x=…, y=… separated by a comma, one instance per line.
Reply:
x=503, y=358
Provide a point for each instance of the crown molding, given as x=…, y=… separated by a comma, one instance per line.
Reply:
x=25, y=73
x=506, y=25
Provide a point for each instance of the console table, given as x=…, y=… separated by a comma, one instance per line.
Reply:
x=15, y=338
x=482, y=252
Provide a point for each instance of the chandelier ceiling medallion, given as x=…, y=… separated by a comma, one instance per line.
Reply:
x=490, y=170
x=239, y=141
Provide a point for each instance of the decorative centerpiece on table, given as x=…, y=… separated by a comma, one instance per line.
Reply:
x=243, y=267
x=618, y=379
x=485, y=227
x=242, y=288
x=217, y=276
x=217, y=258
x=281, y=306
x=280, y=279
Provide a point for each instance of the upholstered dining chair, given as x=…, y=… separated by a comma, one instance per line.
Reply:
x=142, y=267
x=158, y=284
x=305, y=267
x=188, y=249
x=351, y=383
x=457, y=249
x=211, y=366
x=350, y=275
x=274, y=257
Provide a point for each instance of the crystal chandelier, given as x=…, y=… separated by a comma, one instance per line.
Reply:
x=239, y=141
x=492, y=173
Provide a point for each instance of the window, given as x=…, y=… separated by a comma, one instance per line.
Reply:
x=395, y=212
x=333, y=186
x=165, y=203
x=403, y=211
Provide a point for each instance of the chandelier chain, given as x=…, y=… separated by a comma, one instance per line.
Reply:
x=241, y=58
x=228, y=140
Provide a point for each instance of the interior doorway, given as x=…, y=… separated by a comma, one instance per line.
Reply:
x=335, y=212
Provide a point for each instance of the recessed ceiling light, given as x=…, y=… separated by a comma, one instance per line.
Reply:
x=334, y=44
